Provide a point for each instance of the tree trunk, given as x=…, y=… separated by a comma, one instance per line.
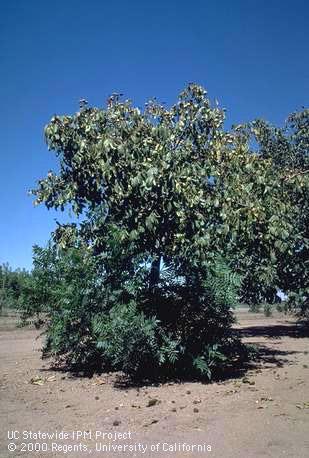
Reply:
x=154, y=276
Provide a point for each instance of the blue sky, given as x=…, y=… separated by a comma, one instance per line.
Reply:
x=250, y=55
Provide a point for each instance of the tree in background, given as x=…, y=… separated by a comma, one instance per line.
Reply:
x=11, y=286
x=288, y=150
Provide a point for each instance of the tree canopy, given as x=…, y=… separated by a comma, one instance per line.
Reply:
x=173, y=184
x=288, y=150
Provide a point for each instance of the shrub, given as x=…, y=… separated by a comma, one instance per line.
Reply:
x=134, y=343
x=298, y=303
x=268, y=310
x=255, y=307
x=182, y=327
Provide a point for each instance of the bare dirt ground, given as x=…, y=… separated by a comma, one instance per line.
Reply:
x=262, y=411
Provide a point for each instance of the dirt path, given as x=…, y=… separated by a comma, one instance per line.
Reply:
x=265, y=414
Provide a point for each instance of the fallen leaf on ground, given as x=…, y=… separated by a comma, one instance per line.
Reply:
x=99, y=382
x=152, y=402
x=246, y=380
x=37, y=381
x=304, y=405
x=152, y=422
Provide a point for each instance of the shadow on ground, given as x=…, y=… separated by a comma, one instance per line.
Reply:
x=264, y=355
x=294, y=330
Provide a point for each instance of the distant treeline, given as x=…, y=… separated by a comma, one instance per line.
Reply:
x=12, y=285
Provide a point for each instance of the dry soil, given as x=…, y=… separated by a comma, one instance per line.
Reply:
x=258, y=411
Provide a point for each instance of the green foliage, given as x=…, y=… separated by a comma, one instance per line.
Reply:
x=132, y=342
x=12, y=284
x=165, y=197
x=63, y=290
x=210, y=358
x=284, y=262
x=255, y=307
x=268, y=310
x=172, y=183
x=298, y=302
x=175, y=329
x=39, y=286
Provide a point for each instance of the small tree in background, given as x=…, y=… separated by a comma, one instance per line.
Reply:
x=12, y=283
